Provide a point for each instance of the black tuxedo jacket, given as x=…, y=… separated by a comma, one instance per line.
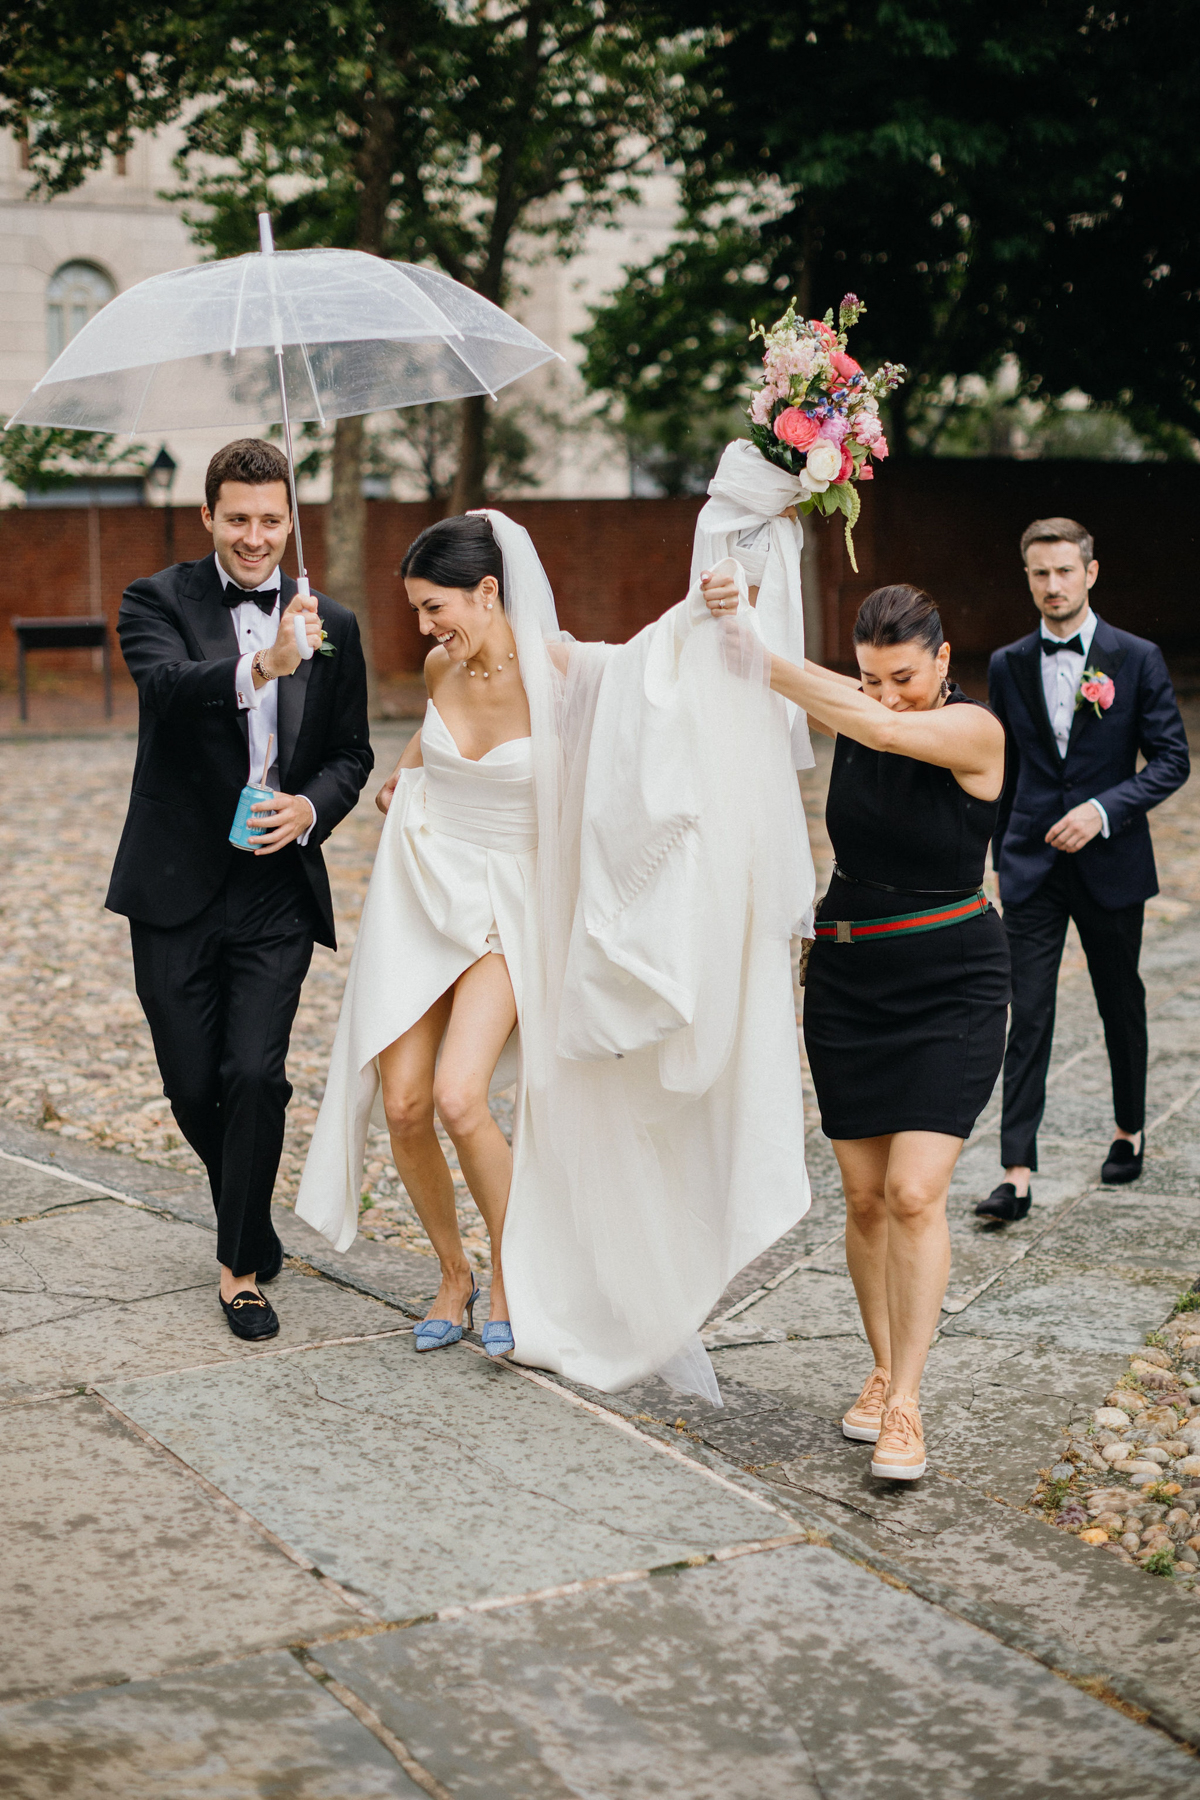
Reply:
x=179, y=642
x=1100, y=764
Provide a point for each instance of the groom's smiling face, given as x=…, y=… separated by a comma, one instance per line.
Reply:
x=249, y=527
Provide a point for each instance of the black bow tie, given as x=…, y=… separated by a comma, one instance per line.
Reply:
x=1052, y=646
x=264, y=598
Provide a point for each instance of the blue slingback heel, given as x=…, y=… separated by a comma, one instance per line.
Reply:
x=438, y=1334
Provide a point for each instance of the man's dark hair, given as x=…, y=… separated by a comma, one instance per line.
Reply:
x=456, y=553
x=1058, y=531
x=249, y=460
x=899, y=615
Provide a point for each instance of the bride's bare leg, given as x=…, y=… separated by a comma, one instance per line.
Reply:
x=406, y=1069
x=483, y=1014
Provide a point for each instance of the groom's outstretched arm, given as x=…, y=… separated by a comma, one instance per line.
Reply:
x=169, y=679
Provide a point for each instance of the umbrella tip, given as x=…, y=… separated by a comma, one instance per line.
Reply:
x=266, y=241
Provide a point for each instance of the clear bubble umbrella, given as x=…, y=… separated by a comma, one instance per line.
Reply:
x=280, y=337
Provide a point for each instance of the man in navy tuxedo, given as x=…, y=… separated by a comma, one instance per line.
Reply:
x=1072, y=841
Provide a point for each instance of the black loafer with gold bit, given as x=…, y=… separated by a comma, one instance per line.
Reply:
x=250, y=1316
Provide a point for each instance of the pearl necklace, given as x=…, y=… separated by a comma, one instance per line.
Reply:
x=487, y=673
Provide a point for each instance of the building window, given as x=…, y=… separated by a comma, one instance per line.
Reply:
x=76, y=293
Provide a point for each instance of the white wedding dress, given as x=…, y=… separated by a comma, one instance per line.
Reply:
x=644, y=911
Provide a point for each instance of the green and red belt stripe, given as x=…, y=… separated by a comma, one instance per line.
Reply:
x=851, y=931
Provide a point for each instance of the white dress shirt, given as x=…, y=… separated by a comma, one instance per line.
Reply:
x=1061, y=676
x=257, y=630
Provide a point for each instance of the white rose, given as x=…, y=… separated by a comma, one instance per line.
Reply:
x=823, y=462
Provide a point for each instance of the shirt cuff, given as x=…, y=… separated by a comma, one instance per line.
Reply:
x=249, y=698
x=1104, y=831
x=304, y=836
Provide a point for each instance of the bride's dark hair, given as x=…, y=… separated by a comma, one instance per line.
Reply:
x=899, y=615
x=456, y=553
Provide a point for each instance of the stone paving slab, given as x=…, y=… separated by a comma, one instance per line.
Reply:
x=246, y=1731
x=790, y=1673
x=426, y=1481
x=111, y=1291
x=117, y=1565
x=1034, y=1588
x=1046, y=1300
x=1133, y=1228
x=809, y=1304
x=26, y=1192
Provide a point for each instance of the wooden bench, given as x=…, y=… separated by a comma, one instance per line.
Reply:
x=89, y=633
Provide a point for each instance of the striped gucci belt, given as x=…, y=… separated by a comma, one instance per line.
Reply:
x=847, y=931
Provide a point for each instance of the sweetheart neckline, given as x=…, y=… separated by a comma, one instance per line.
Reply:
x=527, y=739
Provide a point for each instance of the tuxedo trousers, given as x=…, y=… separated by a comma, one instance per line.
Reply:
x=220, y=993
x=1112, y=941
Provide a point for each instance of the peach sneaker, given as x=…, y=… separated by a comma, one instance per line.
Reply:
x=900, y=1447
x=865, y=1417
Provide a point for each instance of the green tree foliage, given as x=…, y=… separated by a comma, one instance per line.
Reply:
x=408, y=128
x=994, y=182
x=36, y=458
x=451, y=131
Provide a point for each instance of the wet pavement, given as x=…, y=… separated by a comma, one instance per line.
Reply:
x=327, y=1568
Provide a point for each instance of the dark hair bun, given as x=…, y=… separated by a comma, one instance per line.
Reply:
x=456, y=553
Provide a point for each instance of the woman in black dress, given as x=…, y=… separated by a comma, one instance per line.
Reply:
x=907, y=988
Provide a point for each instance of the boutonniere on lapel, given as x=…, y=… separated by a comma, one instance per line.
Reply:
x=1096, y=690
x=328, y=649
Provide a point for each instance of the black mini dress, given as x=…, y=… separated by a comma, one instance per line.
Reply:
x=905, y=1033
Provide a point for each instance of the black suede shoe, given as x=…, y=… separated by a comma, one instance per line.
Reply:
x=273, y=1268
x=1004, y=1203
x=1123, y=1162
x=250, y=1316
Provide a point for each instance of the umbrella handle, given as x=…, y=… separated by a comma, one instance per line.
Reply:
x=302, y=643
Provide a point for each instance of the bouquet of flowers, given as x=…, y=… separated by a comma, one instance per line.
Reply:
x=817, y=412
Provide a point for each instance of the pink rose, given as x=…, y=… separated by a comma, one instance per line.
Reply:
x=866, y=473
x=796, y=428
x=844, y=365
x=825, y=332
x=847, y=468
x=1099, y=693
x=879, y=447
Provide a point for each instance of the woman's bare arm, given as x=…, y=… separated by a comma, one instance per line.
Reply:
x=967, y=740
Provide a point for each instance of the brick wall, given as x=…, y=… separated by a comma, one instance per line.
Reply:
x=615, y=564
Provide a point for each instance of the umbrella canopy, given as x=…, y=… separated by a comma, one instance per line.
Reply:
x=200, y=346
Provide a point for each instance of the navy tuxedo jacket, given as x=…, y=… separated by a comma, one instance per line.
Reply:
x=179, y=641
x=1100, y=764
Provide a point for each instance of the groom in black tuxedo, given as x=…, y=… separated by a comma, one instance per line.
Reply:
x=1072, y=841
x=222, y=937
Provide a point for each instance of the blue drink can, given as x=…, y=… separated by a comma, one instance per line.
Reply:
x=244, y=833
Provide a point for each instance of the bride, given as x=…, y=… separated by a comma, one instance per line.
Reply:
x=570, y=891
